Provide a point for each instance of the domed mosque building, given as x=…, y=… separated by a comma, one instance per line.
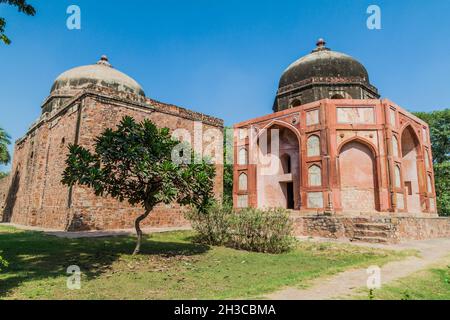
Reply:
x=345, y=162
x=83, y=102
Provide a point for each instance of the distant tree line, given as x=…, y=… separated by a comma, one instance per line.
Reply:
x=5, y=157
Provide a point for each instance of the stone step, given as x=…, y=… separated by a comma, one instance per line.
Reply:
x=373, y=226
x=361, y=220
x=370, y=239
x=371, y=233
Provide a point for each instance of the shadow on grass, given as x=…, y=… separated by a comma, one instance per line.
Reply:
x=33, y=256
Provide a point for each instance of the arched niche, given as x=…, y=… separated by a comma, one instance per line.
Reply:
x=398, y=177
x=243, y=182
x=243, y=157
x=313, y=146
x=315, y=176
x=286, y=163
x=278, y=171
x=295, y=103
x=410, y=152
x=429, y=184
x=358, y=177
x=395, y=146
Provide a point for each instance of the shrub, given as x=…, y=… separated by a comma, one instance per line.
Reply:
x=213, y=225
x=262, y=231
x=257, y=230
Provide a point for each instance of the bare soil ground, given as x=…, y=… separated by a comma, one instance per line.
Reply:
x=347, y=283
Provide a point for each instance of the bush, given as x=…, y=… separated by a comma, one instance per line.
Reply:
x=257, y=230
x=262, y=231
x=212, y=226
x=3, y=263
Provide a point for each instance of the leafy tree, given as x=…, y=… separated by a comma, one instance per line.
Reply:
x=439, y=122
x=442, y=178
x=228, y=184
x=134, y=163
x=227, y=172
x=3, y=174
x=5, y=140
x=22, y=6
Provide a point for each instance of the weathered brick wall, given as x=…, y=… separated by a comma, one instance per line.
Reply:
x=4, y=189
x=39, y=198
x=394, y=229
x=324, y=227
x=98, y=213
x=39, y=158
x=416, y=228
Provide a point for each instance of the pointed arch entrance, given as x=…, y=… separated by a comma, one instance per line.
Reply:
x=358, y=177
x=410, y=147
x=278, y=171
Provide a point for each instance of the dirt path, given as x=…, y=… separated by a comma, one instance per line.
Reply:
x=346, y=283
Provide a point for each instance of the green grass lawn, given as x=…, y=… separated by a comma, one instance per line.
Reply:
x=170, y=267
x=430, y=284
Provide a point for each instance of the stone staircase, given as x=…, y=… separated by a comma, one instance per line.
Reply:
x=373, y=231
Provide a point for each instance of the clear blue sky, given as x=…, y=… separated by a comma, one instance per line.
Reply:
x=223, y=57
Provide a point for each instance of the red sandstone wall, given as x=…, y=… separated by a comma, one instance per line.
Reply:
x=371, y=123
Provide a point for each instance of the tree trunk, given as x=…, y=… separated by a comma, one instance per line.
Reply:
x=137, y=225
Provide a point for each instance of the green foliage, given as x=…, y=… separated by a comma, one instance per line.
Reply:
x=262, y=231
x=22, y=6
x=442, y=178
x=134, y=163
x=228, y=184
x=172, y=267
x=406, y=296
x=3, y=174
x=5, y=140
x=426, y=284
x=227, y=171
x=249, y=229
x=213, y=225
x=439, y=122
x=3, y=263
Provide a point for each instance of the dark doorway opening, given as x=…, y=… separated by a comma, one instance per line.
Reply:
x=286, y=163
x=290, y=195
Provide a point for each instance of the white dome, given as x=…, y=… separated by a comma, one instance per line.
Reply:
x=101, y=74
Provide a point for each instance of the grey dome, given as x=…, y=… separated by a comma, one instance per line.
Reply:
x=326, y=64
x=101, y=74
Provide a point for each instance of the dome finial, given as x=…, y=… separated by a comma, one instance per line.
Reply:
x=321, y=42
x=320, y=45
x=104, y=61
